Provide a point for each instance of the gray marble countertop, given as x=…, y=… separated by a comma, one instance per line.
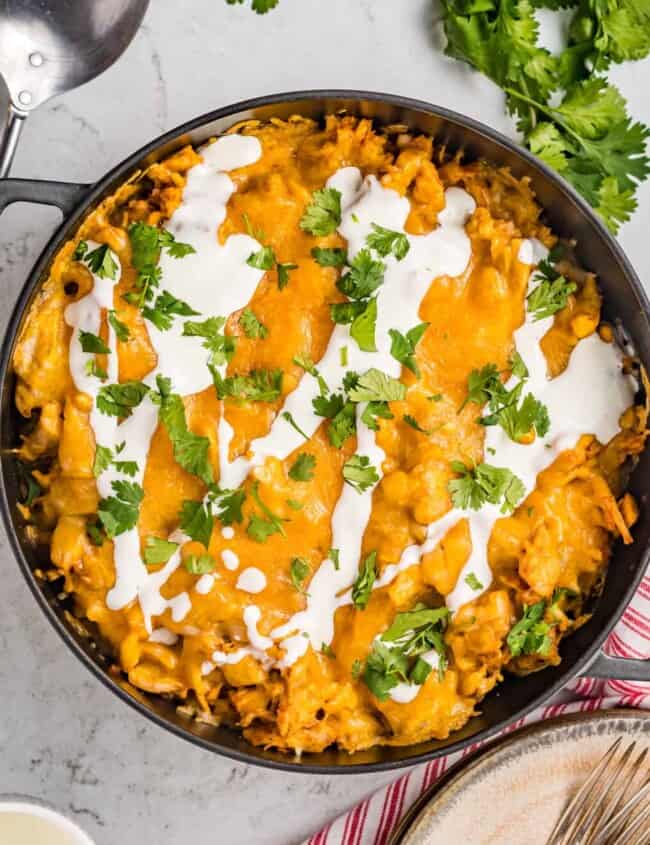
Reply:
x=63, y=737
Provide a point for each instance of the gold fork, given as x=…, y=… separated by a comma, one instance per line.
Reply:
x=613, y=805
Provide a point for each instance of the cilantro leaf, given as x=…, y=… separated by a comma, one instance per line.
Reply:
x=165, y=308
x=118, y=400
x=396, y=656
x=196, y=521
x=299, y=572
x=530, y=635
x=343, y=313
x=342, y=425
x=551, y=293
x=257, y=386
x=329, y=257
x=518, y=421
x=263, y=259
x=284, y=272
x=363, y=327
x=146, y=244
x=199, y=564
x=485, y=484
x=92, y=368
x=121, y=329
x=190, y=450
x=363, y=278
x=323, y=214
x=260, y=529
x=252, y=327
x=158, y=550
x=230, y=506
x=359, y=473
x=362, y=587
x=402, y=347
x=119, y=513
x=409, y=420
x=92, y=343
x=303, y=467
x=386, y=242
x=101, y=262
x=103, y=458
x=472, y=582
x=220, y=345
x=334, y=555
x=375, y=386
x=373, y=411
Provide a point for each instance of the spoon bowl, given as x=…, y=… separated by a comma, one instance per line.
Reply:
x=51, y=46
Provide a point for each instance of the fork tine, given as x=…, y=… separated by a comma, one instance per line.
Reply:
x=617, y=817
x=632, y=828
x=623, y=815
x=605, y=804
x=567, y=822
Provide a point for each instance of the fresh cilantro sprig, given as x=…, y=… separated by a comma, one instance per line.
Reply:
x=588, y=137
x=118, y=400
x=299, y=572
x=402, y=347
x=261, y=528
x=92, y=343
x=359, y=473
x=323, y=214
x=387, y=242
x=253, y=328
x=396, y=656
x=485, y=484
x=530, y=635
x=362, y=587
x=190, y=450
x=146, y=244
x=119, y=513
x=104, y=457
x=166, y=306
x=551, y=293
x=220, y=345
x=302, y=468
x=157, y=550
x=256, y=386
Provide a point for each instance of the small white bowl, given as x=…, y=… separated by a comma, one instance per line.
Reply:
x=25, y=821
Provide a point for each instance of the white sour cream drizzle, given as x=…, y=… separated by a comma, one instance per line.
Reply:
x=215, y=280
x=251, y=580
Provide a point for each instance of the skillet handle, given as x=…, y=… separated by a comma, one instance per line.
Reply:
x=64, y=195
x=618, y=668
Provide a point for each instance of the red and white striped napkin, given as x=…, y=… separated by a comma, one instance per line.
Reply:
x=372, y=821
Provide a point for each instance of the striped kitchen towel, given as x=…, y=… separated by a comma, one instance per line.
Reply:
x=372, y=821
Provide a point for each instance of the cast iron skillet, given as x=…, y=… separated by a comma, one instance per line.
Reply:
x=624, y=299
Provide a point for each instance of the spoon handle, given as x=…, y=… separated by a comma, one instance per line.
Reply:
x=9, y=139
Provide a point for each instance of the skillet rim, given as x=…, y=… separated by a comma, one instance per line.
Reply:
x=119, y=173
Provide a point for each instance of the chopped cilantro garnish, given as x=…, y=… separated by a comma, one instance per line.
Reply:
x=118, y=400
x=253, y=328
x=158, y=551
x=121, y=329
x=329, y=257
x=409, y=420
x=402, y=347
x=551, y=294
x=386, y=242
x=256, y=386
x=323, y=214
x=363, y=327
x=472, y=582
x=362, y=587
x=190, y=450
x=101, y=262
x=284, y=273
x=196, y=521
x=259, y=529
x=199, y=564
x=302, y=468
x=286, y=415
x=396, y=655
x=485, y=484
x=119, y=513
x=220, y=345
x=359, y=473
x=92, y=343
x=375, y=386
x=263, y=259
x=162, y=312
x=365, y=275
x=530, y=635
x=299, y=572
x=334, y=556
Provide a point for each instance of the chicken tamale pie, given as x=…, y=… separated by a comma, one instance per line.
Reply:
x=324, y=433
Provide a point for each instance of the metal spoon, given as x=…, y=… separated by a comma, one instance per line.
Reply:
x=51, y=46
